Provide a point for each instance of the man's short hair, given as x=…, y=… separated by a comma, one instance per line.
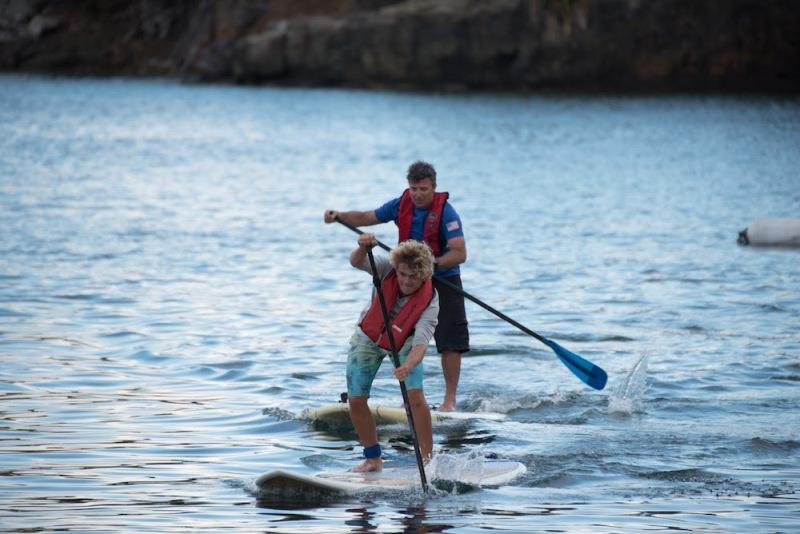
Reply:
x=419, y=170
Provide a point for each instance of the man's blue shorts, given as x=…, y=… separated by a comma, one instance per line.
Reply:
x=364, y=360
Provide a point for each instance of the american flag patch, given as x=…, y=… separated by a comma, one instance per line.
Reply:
x=452, y=225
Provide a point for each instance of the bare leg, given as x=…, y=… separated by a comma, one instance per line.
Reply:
x=451, y=368
x=422, y=422
x=364, y=424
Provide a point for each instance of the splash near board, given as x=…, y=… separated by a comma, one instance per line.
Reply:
x=282, y=483
x=339, y=415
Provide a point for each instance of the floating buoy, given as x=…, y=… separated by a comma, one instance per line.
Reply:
x=771, y=233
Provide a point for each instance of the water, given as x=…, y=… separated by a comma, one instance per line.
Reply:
x=170, y=302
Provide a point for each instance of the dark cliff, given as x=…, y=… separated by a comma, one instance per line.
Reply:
x=696, y=45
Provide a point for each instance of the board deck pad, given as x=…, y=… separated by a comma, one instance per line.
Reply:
x=339, y=414
x=285, y=483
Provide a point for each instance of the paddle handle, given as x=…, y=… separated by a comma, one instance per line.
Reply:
x=387, y=324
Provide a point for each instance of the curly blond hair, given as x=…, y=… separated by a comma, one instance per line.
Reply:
x=416, y=255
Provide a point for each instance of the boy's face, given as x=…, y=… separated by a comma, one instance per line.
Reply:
x=407, y=279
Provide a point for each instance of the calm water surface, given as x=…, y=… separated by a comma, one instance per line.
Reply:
x=171, y=302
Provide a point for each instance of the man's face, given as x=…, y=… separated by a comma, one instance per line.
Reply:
x=407, y=279
x=422, y=192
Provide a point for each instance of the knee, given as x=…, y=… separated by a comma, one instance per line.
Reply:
x=417, y=399
x=357, y=403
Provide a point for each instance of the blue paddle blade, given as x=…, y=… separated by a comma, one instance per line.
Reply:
x=588, y=372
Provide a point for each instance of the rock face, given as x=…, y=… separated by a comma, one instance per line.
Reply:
x=706, y=45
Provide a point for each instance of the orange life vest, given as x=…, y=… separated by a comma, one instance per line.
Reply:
x=433, y=221
x=405, y=320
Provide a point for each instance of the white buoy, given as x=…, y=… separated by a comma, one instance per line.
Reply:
x=771, y=233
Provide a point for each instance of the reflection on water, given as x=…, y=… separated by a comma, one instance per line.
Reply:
x=170, y=303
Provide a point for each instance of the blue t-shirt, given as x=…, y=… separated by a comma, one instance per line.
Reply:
x=449, y=227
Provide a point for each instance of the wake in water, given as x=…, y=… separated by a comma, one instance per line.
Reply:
x=628, y=398
x=504, y=402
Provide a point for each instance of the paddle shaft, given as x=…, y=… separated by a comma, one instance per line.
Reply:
x=460, y=291
x=387, y=323
x=585, y=370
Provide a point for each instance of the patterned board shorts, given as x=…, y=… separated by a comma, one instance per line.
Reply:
x=365, y=358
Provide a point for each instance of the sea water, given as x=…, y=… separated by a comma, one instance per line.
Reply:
x=171, y=301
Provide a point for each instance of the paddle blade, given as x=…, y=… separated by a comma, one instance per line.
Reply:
x=585, y=370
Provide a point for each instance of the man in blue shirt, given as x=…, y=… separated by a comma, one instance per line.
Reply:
x=425, y=215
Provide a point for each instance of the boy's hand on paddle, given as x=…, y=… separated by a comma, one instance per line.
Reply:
x=402, y=372
x=367, y=240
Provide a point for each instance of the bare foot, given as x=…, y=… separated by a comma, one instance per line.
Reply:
x=370, y=464
x=447, y=407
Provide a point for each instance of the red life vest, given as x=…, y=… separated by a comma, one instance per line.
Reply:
x=405, y=320
x=405, y=216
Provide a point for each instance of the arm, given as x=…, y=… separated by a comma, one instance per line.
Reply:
x=423, y=332
x=356, y=218
x=358, y=257
x=455, y=256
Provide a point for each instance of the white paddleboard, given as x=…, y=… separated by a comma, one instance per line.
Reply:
x=339, y=414
x=392, y=479
x=771, y=233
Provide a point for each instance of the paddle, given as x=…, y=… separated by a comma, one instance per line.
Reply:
x=585, y=370
x=387, y=323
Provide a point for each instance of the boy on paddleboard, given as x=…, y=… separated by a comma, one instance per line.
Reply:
x=413, y=307
x=425, y=215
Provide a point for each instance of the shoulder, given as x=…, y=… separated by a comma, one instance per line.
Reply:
x=383, y=265
x=388, y=210
x=433, y=303
x=433, y=306
x=449, y=212
x=451, y=223
x=434, y=299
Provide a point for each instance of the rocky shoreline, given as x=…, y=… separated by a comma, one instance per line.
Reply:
x=517, y=45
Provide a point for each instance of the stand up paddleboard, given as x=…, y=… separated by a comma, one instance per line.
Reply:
x=771, y=233
x=283, y=483
x=339, y=415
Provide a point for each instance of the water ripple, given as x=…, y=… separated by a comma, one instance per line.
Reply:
x=170, y=302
